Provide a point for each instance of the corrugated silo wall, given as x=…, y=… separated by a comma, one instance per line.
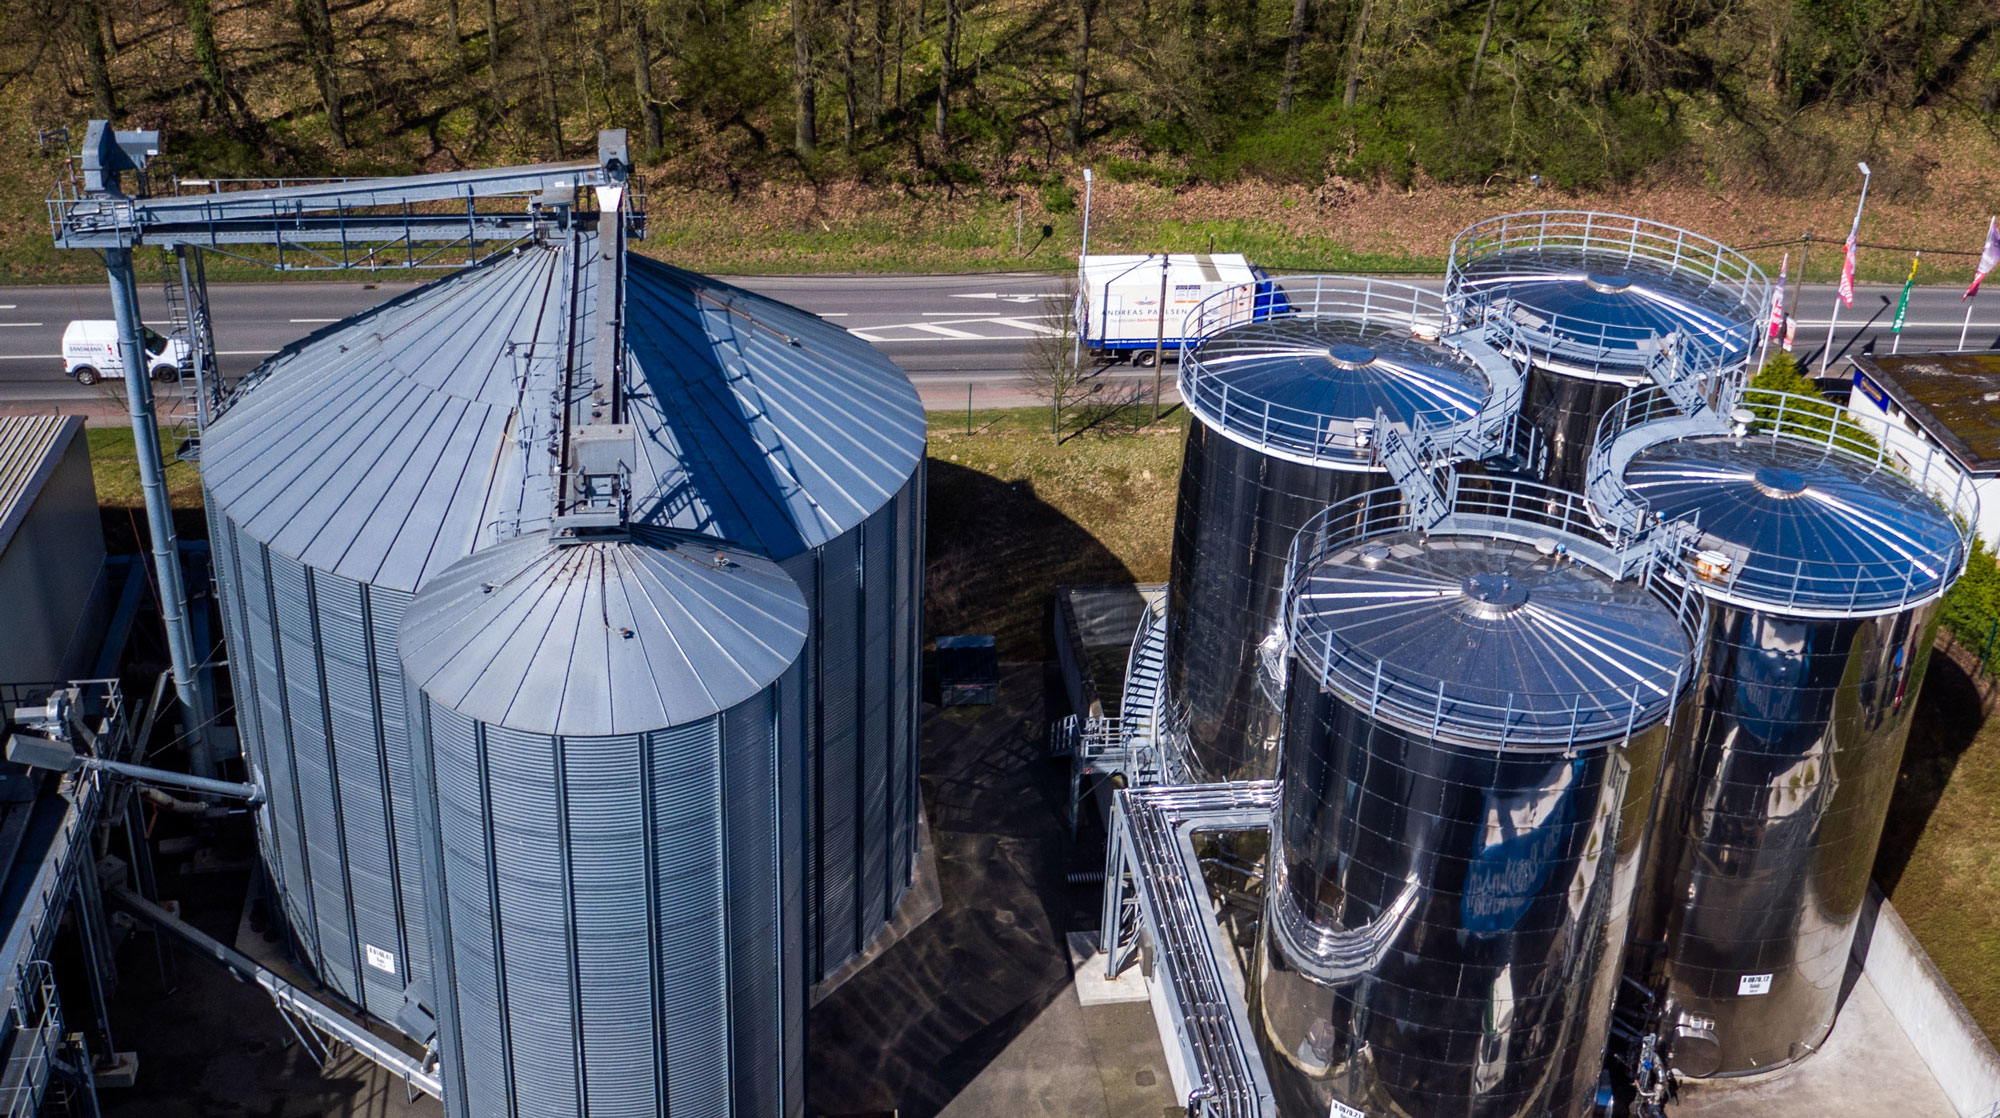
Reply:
x=619, y=918
x=1785, y=789
x=864, y=589
x=1235, y=517
x=322, y=716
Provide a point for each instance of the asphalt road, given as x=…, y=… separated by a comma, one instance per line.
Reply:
x=949, y=333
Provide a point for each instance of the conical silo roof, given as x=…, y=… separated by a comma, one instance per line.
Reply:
x=595, y=639
x=389, y=445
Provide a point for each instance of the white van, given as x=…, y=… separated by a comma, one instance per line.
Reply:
x=90, y=352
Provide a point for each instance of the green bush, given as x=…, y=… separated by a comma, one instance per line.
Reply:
x=1804, y=411
x=1972, y=606
x=1058, y=197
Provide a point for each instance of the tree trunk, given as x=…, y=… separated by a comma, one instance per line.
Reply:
x=97, y=61
x=1246, y=14
x=852, y=19
x=316, y=24
x=492, y=14
x=1479, y=55
x=1355, y=45
x=1080, y=82
x=454, y=35
x=805, y=103
x=538, y=34
x=947, y=65
x=881, y=59
x=207, y=56
x=642, y=77
x=1294, y=46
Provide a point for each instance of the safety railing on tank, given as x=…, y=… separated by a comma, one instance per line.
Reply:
x=1368, y=304
x=1557, y=523
x=1801, y=584
x=1614, y=239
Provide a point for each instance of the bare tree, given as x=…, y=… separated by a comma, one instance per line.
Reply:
x=1056, y=368
x=642, y=74
x=492, y=14
x=97, y=63
x=538, y=38
x=1357, y=43
x=1080, y=81
x=805, y=102
x=316, y=25
x=215, y=80
x=947, y=65
x=1479, y=55
x=1294, y=44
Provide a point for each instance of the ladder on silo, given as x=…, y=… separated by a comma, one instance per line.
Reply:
x=189, y=402
x=1670, y=368
x=1407, y=455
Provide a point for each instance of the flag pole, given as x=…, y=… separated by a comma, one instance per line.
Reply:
x=1903, y=307
x=1972, y=291
x=1853, y=234
x=1777, y=313
x=1962, y=330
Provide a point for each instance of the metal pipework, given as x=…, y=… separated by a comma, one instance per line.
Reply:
x=289, y=998
x=159, y=511
x=57, y=756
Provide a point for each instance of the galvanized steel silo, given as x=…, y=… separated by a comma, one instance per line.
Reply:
x=364, y=459
x=1823, y=561
x=609, y=742
x=1596, y=298
x=1285, y=393
x=1473, y=730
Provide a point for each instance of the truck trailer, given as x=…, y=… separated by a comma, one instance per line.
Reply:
x=1119, y=299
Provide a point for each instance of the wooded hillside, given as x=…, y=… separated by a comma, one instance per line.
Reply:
x=1006, y=97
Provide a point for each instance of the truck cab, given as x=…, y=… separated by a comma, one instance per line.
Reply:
x=90, y=352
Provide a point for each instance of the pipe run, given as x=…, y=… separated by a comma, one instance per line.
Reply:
x=288, y=997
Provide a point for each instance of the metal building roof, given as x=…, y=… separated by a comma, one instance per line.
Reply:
x=31, y=446
x=1801, y=525
x=1489, y=640
x=1954, y=397
x=595, y=639
x=386, y=446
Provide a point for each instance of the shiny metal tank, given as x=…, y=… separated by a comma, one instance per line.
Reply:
x=1284, y=410
x=363, y=459
x=1596, y=297
x=1823, y=565
x=1473, y=730
x=609, y=745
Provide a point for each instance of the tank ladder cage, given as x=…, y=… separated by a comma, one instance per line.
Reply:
x=1620, y=240
x=1129, y=745
x=1153, y=888
x=1798, y=585
x=1520, y=511
x=1370, y=304
x=319, y=1028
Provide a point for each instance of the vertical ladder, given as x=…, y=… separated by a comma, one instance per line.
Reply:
x=192, y=401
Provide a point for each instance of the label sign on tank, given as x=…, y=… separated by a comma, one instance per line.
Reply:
x=1753, y=984
x=1342, y=1110
x=386, y=961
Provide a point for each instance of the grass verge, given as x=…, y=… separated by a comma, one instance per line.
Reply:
x=114, y=465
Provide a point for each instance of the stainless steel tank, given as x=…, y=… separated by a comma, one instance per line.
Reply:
x=1823, y=559
x=1284, y=399
x=1474, y=726
x=1596, y=297
x=360, y=461
x=609, y=741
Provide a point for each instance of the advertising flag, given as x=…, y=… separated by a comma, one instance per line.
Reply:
x=1903, y=304
x=1778, y=299
x=1847, y=275
x=1987, y=259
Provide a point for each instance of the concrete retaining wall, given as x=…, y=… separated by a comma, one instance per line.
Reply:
x=1960, y=1057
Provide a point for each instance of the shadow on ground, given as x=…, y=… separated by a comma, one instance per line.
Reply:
x=1949, y=713
x=996, y=553
x=914, y=1028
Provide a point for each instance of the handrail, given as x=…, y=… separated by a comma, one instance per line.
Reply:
x=1366, y=303
x=1522, y=511
x=1797, y=584
x=1614, y=237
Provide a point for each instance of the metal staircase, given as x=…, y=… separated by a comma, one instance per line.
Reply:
x=1128, y=745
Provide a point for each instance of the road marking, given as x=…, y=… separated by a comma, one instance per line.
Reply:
x=20, y=324
x=945, y=331
x=1029, y=298
x=1023, y=324
x=318, y=320
x=833, y=314
x=8, y=306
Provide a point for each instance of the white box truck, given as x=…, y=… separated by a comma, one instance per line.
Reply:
x=1119, y=300
x=90, y=352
